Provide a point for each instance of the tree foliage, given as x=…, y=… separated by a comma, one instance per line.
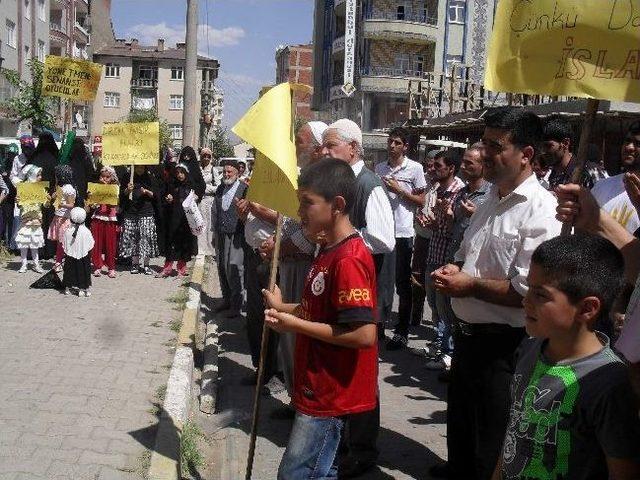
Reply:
x=220, y=144
x=28, y=102
x=151, y=115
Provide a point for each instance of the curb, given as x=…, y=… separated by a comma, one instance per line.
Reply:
x=165, y=457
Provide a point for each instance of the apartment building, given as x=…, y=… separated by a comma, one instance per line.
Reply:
x=147, y=77
x=397, y=42
x=294, y=63
x=216, y=109
x=24, y=34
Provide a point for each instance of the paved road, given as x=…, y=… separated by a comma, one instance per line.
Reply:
x=412, y=436
x=78, y=376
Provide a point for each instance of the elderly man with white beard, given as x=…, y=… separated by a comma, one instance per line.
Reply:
x=230, y=236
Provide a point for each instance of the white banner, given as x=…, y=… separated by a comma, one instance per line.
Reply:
x=349, y=48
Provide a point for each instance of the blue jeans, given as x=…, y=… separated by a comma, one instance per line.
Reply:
x=312, y=448
x=443, y=313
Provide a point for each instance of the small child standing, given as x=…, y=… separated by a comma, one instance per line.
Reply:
x=336, y=354
x=77, y=244
x=30, y=236
x=573, y=413
x=104, y=228
x=61, y=221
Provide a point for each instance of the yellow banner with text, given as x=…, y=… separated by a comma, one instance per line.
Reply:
x=130, y=143
x=70, y=78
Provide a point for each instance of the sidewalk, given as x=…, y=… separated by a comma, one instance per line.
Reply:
x=412, y=435
x=79, y=376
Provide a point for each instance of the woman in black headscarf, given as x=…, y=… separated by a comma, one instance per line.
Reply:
x=83, y=169
x=189, y=158
x=46, y=156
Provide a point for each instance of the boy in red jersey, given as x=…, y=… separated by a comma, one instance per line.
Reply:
x=336, y=357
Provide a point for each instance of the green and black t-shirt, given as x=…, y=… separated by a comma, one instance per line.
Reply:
x=565, y=418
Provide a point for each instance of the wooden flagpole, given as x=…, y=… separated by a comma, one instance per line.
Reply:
x=585, y=136
x=263, y=353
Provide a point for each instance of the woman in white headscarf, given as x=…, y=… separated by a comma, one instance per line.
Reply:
x=206, y=240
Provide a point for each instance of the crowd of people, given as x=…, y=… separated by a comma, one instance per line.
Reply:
x=537, y=334
x=530, y=326
x=148, y=221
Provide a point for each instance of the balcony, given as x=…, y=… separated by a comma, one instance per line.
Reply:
x=81, y=33
x=387, y=79
x=408, y=28
x=58, y=27
x=144, y=83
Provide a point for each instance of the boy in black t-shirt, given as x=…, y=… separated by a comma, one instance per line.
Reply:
x=573, y=414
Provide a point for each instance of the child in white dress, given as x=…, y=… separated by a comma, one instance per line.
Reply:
x=29, y=235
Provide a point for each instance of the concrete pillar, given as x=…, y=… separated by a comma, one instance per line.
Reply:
x=190, y=116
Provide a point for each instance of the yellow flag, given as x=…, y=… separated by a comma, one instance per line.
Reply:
x=268, y=127
x=581, y=48
x=70, y=78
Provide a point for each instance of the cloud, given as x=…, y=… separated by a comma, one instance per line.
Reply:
x=148, y=34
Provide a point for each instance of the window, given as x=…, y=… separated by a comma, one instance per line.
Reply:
x=402, y=63
x=400, y=12
x=418, y=63
x=11, y=34
x=41, y=50
x=42, y=12
x=147, y=72
x=27, y=53
x=176, y=131
x=454, y=60
x=27, y=10
x=457, y=11
x=112, y=70
x=176, y=102
x=112, y=99
x=177, y=73
x=403, y=10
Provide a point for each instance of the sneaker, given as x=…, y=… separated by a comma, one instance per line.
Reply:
x=23, y=268
x=442, y=362
x=97, y=273
x=428, y=351
x=147, y=270
x=134, y=270
x=82, y=293
x=87, y=293
x=182, y=271
x=397, y=342
x=112, y=274
x=67, y=291
x=165, y=272
x=57, y=267
x=37, y=267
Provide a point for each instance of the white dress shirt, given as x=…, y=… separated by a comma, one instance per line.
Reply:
x=499, y=243
x=379, y=234
x=410, y=178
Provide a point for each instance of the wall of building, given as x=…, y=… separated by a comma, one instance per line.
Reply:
x=101, y=25
x=102, y=114
x=382, y=53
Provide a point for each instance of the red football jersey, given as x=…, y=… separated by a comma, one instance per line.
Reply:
x=329, y=380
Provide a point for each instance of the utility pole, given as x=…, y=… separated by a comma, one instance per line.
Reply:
x=190, y=112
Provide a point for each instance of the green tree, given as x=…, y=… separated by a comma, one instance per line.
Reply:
x=220, y=144
x=141, y=116
x=28, y=102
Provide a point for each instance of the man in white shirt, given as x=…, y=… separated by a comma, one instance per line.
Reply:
x=372, y=216
x=610, y=193
x=405, y=183
x=488, y=282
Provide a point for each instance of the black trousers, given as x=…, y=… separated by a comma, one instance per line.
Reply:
x=479, y=398
x=360, y=437
x=404, y=251
x=256, y=277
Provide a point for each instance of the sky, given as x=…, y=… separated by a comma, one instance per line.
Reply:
x=241, y=34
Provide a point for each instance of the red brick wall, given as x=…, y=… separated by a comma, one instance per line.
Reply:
x=301, y=71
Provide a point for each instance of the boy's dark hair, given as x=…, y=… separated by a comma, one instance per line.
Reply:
x=400, y=133
x=583, y=265
x=525, y=127
x=451, y=158
x=330, y=178
x=557, y=129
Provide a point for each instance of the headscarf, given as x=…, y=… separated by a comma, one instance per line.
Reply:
x=206, y=151
x=26, y=140
x=112, y=172
x=46, y=143
x=64, y=174
x=30, y=173
x=189, y=158
x=78, y=216
x=183, y=167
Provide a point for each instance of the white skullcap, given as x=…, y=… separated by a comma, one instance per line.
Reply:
x=78, y=215
x=349, y=129
x=317, y=129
